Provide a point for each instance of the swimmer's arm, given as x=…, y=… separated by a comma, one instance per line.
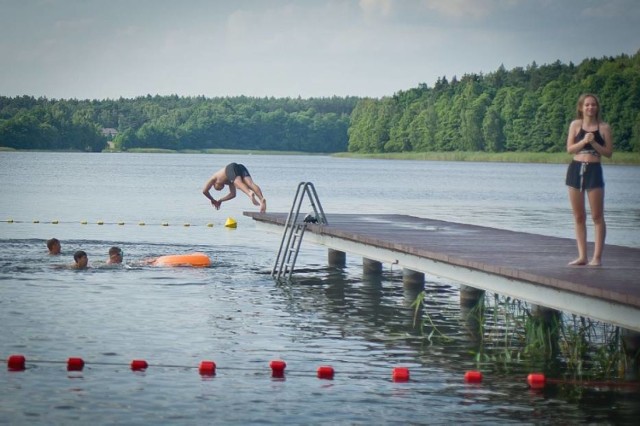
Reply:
x=207, y=188
x=231, y=195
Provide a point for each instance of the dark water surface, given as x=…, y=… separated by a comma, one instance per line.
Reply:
x=235, y=314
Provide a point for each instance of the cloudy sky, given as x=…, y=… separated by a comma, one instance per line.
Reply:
x=97, y=49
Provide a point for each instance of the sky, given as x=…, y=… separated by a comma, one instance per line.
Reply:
x=107, y=49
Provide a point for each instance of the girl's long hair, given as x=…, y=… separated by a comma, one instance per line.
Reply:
x=580, y=103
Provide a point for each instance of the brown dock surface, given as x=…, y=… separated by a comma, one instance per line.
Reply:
x=519, y=256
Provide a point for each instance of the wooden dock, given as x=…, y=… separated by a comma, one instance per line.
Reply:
x=525, y=266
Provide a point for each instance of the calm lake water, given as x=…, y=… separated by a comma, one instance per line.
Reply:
x=235, y=314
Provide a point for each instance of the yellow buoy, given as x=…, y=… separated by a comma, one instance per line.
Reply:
x=54, y=221
x=120, y=223
x=209, y=225
x=84, y=222
x=9, y=220
x=100, y=222
x=165, y=223
x=36, y=221
x=187, y=224
x=231, y=223
x=141, y=224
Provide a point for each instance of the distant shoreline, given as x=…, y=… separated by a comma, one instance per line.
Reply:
x=619, y=158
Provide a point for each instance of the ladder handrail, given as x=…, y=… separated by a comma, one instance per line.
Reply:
x=284, y=263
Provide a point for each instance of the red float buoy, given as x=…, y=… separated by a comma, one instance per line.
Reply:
x=75, y=364
x=207, y=368
x=16, y=362
x=536, y=380
x=325, y=372
x=400, y=374
x=473, y=376
x=139, y=364
x=277, y=367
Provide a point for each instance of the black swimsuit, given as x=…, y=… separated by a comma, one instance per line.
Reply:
x=234, y=170
x=588, y=149
x=583, y=175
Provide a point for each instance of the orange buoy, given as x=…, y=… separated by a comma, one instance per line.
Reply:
x=139, y=364
x=198, y=260
x=473, y=377
x=75, y=364
x=400, y=374
x=277, y=367
x=325, y=372
x=536, y=380
x=16, y=363
x=207, y=368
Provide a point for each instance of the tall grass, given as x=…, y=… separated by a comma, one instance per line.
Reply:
x=508, y=332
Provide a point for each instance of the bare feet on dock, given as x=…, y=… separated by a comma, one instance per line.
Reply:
x=263, y=206
x=595, y=262
x=578, y=262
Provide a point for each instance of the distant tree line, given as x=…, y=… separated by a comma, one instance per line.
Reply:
x=517, y=110
x=179, y=123
x=523, y=109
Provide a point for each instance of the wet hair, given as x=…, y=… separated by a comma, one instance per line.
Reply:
x=79, y=254
x=51, y=242
x=115, y=250
x=580, y=104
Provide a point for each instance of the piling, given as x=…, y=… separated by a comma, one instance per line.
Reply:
x=337, y=258
x=371, y=267
x=631, y=348
x=471, y=307
x=412, y=279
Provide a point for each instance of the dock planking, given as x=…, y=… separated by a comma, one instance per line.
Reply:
x=528, y=266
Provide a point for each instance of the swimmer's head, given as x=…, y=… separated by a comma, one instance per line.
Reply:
x=81, y=259
x=115, y=255
x=218, y=186
x=53, y=245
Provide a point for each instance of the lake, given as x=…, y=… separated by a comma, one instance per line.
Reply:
x=235, y=314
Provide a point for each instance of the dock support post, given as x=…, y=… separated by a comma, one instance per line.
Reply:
x=413, y=284
x=548, y=316
x=549, y=320
x=469, y=296
x=472, y=310
x=412, y=278
x=337, y=258
x=631, y=347
x=371, y=267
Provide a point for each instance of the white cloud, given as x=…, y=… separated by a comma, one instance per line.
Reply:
x=289, y=48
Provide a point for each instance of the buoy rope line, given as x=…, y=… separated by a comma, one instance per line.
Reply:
x=230, y=223
x=18, y=363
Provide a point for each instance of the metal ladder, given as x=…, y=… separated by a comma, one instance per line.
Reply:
x=294, y=230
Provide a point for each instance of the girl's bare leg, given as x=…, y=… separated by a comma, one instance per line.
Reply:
x=596, y=203
x=576, y=197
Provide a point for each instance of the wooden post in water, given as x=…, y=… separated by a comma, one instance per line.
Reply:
x=413, y=284
x=470, y=299
x=412, y=279
x=631, y=347
x=549, y=319
x=371, y=266
x=337, y=258
x=470, y=296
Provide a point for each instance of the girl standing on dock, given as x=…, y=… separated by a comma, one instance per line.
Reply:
x=588, y=139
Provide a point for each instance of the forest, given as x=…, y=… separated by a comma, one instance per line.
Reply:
x=522, y=109
x=177, y=123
